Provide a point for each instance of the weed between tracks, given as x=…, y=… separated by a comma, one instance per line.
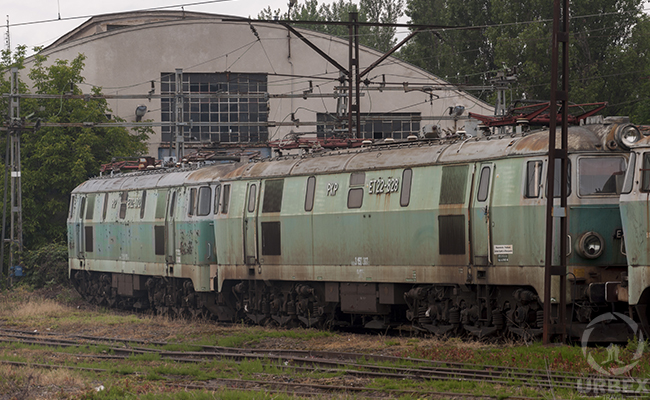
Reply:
x=149, y=375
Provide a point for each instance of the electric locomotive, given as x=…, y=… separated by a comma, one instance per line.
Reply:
x=443, y=235
x=634, y=288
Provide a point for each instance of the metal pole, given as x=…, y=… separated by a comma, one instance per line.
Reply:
x=351, y=61
x=560, y=36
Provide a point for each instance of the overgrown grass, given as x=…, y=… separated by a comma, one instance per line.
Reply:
x=255, y=335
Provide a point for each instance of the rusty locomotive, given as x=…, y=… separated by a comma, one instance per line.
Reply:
x=441, y=235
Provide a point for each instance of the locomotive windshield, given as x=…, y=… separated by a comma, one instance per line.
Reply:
x=602, y=175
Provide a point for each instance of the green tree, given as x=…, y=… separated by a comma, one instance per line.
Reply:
x=57, y=159
x=375, y=11
x=608, y=52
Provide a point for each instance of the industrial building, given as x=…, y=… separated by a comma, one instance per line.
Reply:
x=247, y=83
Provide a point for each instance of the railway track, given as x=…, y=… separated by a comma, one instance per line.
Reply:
x=352, y=365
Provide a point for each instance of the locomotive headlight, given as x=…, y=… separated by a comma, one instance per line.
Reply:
x=590, y=245
x=628, y=135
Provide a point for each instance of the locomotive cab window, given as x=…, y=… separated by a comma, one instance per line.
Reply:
x=90, y=208
x=71, y=209
x=645, y=173
x=123, y=204
x=105, y=207
x=533, y=179
x=82, y=207
x=172, y=205
x=602, y=175
x=226, y=199
x=483, y=184
x=192, y=205
x=629, y=174
x=205, y=197
x=557, y=178
x=217, y=198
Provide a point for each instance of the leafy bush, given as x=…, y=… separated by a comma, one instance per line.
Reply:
x=47, y=265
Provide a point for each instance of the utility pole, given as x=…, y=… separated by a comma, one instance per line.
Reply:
x=178, y=116
x=15, y=127
x=559, y=214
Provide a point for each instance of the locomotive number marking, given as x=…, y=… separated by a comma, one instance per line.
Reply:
x=332, y=187
x=381, y=186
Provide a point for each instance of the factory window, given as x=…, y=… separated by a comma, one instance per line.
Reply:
x=252, y=192
x=533, y=179
x=105, y=208
x=355, y=198
x=451, y=235
x=602, y=175
x=192, y=204
x=205, y=195
x=90, y=210
x=309, y=195
x=143, y=203
x=123, y=204
x=226, y=199
x=483, y=184
x=217, y=198
x=405, y=195
x=373, y=125
x=231, y=107
x=273, y=195
x=454, y=182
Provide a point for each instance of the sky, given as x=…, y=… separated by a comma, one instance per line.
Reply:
x=20, y=12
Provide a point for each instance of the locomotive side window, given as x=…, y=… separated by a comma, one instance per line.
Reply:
x=252, y=192
x=172, y=205
x=483, y=184
x=217, y=198
x=105, y=208
x=645, y=173
x=144, y=201
x=273, y=195
x=125, y=199
x=602, y=175
x=357, y=178
x=454, y=183
x=355, y=198
x=90, y=209
x=629, y=174
x=533, y=179
x=226, y=199
x=205, y=195
x=405, y=195
x=309, y=195
x=192, y=205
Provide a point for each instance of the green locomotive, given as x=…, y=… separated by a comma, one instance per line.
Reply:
x=441, y=235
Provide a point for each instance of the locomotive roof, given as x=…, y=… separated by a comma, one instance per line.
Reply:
x=581, y=139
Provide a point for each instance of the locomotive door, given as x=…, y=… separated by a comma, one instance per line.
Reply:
x=480, y=215
x=250, y=223
x=170, y=229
